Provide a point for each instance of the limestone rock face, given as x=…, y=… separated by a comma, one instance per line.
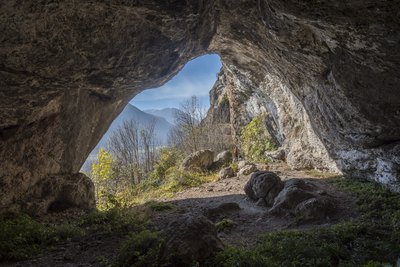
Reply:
x=59, y=192
x=198, y=161
x=326, y=74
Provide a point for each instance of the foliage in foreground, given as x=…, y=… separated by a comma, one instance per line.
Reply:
x=140, y=249
x=225, y=225
x=255, y=140
x=371, y=240
x=22, y=237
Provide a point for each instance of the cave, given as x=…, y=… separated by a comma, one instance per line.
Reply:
x=325, y=72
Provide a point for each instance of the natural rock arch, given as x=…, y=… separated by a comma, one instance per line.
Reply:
x=326, y=72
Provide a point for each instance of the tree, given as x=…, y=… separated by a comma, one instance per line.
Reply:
x=102, y=174
x=255, y=140
x=193, y=132
x=189, y=130
x=134, y=148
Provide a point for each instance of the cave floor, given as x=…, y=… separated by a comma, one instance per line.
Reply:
x=249, y=220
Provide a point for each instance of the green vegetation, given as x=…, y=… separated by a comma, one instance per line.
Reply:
x=234, y=167
x=164, y=181
x=255, y=140
x=22, y=237
x=371, y=240
x=225, y=225
x=159, y=206
x=175, y=181
x=141, y=249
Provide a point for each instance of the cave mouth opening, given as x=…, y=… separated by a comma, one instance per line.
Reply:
x=152, y=126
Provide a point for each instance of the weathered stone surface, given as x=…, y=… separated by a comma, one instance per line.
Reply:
x=198, y=161
x=226, y=172
x=191, y=239
x=247, y=169
x=224, y=157
x=59, y=192
x=326, y=74
x=263, y=185
x=275, y=155
x=303, y=199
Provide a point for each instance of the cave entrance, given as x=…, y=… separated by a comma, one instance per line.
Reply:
x=154, y=132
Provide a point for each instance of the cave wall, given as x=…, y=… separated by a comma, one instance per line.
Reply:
x=67, y=68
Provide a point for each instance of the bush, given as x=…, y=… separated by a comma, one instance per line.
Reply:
x=141, y=249
x=255, y=140
x=169, y=157
x=115, y=220
x=22, y=237
x=225, y=225
x=159, y=206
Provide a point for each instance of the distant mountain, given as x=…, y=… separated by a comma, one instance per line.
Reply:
x=130, y=112
x=166, y=113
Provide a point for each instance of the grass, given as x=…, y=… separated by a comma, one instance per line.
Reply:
x=225, y=225
x=175, y=181
x=371, y=240
x=141, y=249
x=159, y=206
x=320, y=174
x=22, y=237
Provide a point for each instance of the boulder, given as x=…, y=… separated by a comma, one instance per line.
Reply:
x=263, y=185
x=59, y=192
x=198, y=161
x=303, y=199
x=242, y=163
x=224, y=157
x=247, y=169
x=190, y=239
x=226, y=172
x=275, y=155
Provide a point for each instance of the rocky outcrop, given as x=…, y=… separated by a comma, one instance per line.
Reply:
x=303, y=199
x=226, y=172
x=247, y=169
x=200, y=160
x=263, y=185
x=190, y=239
x=326, y=74
x=56, y=193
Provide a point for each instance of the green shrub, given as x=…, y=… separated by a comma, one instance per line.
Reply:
x=141, y=249
x=115, y=220
x=225, y=225
x=159, y=206
x=169, y=157
x=22, y=237
x=255, y=140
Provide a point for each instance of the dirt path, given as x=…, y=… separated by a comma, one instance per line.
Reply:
x=226, y=199
x=217, y=200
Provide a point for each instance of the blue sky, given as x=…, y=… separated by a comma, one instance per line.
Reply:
x=196, y=78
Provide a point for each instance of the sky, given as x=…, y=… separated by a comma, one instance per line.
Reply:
x=196, y=78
